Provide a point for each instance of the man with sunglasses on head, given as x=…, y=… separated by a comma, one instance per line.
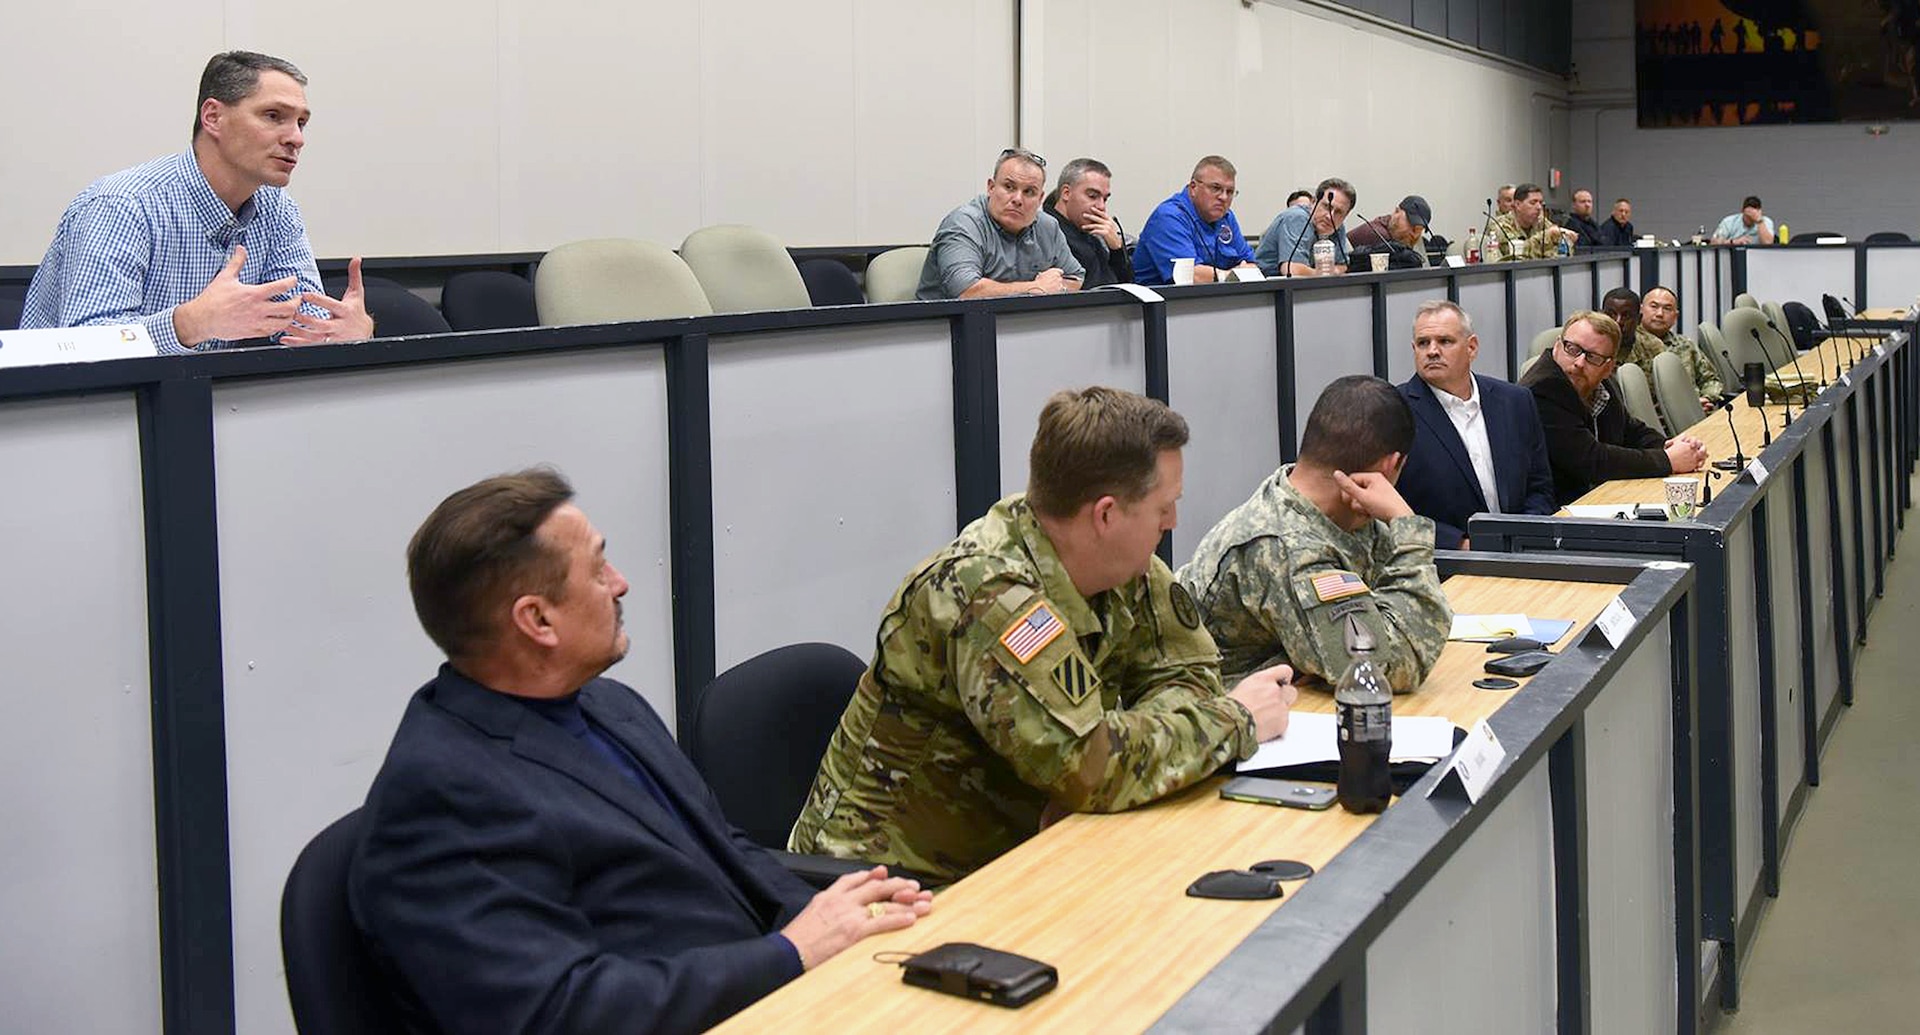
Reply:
x=1000, y=243
x=1195, y=223
x=1591, y=438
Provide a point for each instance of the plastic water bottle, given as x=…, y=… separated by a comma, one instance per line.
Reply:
x=1363, y=703
x=1323, y=256
x=1492, y=247
x=1473, y=243
x=1565, y=247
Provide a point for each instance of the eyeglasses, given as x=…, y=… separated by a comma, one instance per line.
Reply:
x=1592, y=359
x=1218, y=190
x=1024, y=155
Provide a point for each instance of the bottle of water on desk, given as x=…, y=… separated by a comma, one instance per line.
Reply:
x=1323, y=257
x=1363, y=703
x=1473, y=244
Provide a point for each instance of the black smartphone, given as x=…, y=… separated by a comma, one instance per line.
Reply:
x=1524, y=664
x=1267, y=791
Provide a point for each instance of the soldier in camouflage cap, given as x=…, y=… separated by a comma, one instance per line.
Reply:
x=1323, y=539
x=1659, y=311
x=1526, y=232
x=1043, y=662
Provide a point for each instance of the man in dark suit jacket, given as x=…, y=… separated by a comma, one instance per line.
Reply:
x=1079, y=204
x=538, y=854
x=1477, y=445
x=1591, y=438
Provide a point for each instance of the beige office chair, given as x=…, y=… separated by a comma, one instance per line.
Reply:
x=1637, y=395
x=1745, y=301
x=1715, y=344
x=613, y=280
x=1738, y=329
x=894, y=276
x=1542, y=342
x=1674, y=390
x=1778, y=314
x=743, y=269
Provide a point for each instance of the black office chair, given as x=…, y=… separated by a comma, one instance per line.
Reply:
x=1888, y=237
x=830, y=282
x=13, y=298
x=1809, y=238
x=488, y=300
x=332, y=981
x=396, y=311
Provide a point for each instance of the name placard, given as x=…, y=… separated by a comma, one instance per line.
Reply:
x=38, y=348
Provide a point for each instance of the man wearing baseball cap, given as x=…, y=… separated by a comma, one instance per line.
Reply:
x=1406, y=225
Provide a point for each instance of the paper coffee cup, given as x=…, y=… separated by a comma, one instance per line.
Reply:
x=1379, y=261
x=1683, y=497
x=1183, y=271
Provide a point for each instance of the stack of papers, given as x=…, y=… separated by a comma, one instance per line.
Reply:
x=1312, y=737
x=1488, y=628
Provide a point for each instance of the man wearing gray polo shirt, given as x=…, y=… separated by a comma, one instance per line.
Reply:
x=1000, y=243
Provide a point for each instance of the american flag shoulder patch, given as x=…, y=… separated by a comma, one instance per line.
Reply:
x=1337, y=585
x=1030, y=633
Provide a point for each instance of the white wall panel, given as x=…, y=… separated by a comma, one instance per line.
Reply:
x=1043, y=353
x=1799, y=274
x=77, y=873
x=1893, y=279
x=1402, y=301
x=1485, y=299
x=1332, y=337
x=322, y=481
x=1222, y=377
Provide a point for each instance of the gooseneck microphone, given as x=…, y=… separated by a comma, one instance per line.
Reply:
x=1766, y=426
x=1739, y=458
x=1853, y=343
x=1786, y=397
x=1286, y=261
x=1492, y=227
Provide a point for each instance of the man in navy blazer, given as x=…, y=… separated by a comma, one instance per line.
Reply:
x=538, y=854
x=1477, y=445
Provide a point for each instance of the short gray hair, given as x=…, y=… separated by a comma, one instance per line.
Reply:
x=232, y=77
x=1075, y=171
x=1441, y=305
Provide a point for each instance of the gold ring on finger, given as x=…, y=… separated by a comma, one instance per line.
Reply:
x=876, y=910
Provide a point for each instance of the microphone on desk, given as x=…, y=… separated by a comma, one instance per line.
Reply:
x=1739, y=458
x=1493, y=227
x=1853, y=344
x=1756, y=392
x=1794, y=353
x=1286, y=261
x=1786, y=398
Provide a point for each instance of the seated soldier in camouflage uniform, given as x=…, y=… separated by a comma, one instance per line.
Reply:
x=1043, y=662
x=1526, y=232
x=1325, y=538
x=1659, y=311
x=1623, y=304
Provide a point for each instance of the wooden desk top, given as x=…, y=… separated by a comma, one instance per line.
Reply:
x=1883, y=314
x=1103, y=897
x=1834, y=353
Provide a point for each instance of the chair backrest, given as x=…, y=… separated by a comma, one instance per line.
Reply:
x=1738, y=327
x=761, y=727
x=1715, y=344
x=894, y=276
x=1637, y=395
x=332, y=981
x=13, y=300
x=1801, y=323
x=744, y=269
x=1745, y=301
x=615, y=279
x=398, y=312
x=830, y=282
x=1887, y=237
x=488, y=300
x=1543, y=341
x=1778, y=314
x=1674, y=390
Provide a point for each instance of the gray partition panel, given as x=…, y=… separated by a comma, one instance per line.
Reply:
x=1826, y=600
x=81, y=949
x=1744, y=684
x=1633, y=270
x=1723, y=259
x=1485, y=299
x=1799, y=274
x=321, y=645
x=1042, y=353
x=1629, y=738
x=1783, y=579
x=1614, y=273
x=1669, y=265
x=1221, y=373
x=1402, y=300
x=1576, y=289
x=1690, y=302
x=1532, y=305
x=1893, y=278
x=1474, y=950
x=1332, y=337
x=825, y=491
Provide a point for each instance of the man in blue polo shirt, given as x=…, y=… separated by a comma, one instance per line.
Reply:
x=1196, y=223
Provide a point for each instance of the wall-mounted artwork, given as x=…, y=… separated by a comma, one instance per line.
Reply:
x=1742, y=62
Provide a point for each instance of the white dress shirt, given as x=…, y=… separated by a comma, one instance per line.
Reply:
x=1472, y=426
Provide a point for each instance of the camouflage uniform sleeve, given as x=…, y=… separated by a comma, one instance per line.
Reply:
x=1706, y=373
x=1405, y=607
x=1038, y=702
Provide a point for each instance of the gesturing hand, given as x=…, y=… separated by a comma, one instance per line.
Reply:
x=230, y=310
x=859, y=904
x=348, y=319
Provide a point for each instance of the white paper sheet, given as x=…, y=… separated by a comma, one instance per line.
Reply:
x=1310, y=737
x=1487, y=628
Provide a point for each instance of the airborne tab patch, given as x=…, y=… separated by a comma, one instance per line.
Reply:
x=1074, y=678
x=1032, y=631
x=1337, y=585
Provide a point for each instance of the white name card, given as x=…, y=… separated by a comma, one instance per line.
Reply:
x=1139, y=291
x=1757, y=471
x=1845, y=380
x=1473, y=766
x=1243, y=275
x=1615, y=622
x=39, y=348
x=1879, y=349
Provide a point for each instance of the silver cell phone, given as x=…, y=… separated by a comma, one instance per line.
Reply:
x=1268, y=791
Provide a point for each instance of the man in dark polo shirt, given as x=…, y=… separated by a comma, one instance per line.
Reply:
x=1079, y=204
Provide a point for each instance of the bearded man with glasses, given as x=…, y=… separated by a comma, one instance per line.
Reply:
x=1195, y=223
x=1591, y=438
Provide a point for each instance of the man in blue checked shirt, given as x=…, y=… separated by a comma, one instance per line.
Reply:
x=203, y=247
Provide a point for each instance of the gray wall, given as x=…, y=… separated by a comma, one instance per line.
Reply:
x=1816, y=177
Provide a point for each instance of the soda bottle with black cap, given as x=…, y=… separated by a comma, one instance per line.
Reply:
x=1363, y=704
